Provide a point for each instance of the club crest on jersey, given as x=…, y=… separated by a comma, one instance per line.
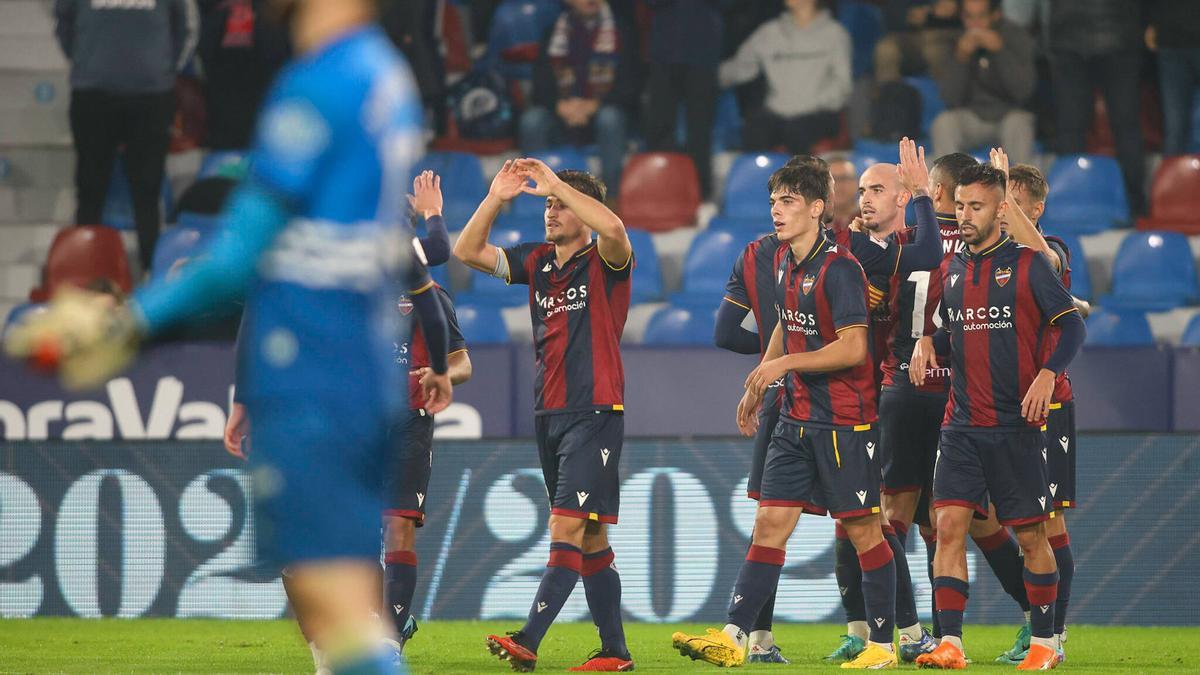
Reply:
x=1003, y=274
x=808, y=283
x=405, y=305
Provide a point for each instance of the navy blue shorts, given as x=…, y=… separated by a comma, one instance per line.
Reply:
x=580, y=454
x=768, y=417
x=1008, y=467
x=822, y=469
x=1060, y=454
x=317, y=468
x=910, y=426
x=407, y=484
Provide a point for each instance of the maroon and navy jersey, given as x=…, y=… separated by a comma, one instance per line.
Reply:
x=414, y=354
x=914, y=301
x=879, y=260
x=998, y=306
x=578, y=313
x=751, y=285
x=1062, y=385
x=819, y=295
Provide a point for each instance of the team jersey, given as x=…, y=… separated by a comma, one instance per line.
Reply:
x=414, y=354
x=337, y=135
x=998, y=306
x=914, y=301
x=1062, y=386
x=751, y=285
x=578, y=313
x=819, y=295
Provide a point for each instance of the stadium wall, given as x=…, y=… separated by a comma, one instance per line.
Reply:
x=163, y=528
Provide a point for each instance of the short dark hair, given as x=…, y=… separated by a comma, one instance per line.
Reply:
x=1030, y=179
x=808, y=160
x=809, y=180
x=585, y=183
x=982, y=174
x=950, y=168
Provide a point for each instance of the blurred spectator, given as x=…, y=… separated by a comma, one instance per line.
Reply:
x=413, y=27
x=1174, y=32
x=1098, y=44
x=805, y=55
x=845, y=191
x=684, y=35
x=241, y=51
x=921, y=37
x=124, y=57
x=985, y=86
x=583, y=86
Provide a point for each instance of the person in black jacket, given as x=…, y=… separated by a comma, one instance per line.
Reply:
x=583, y=86
x=1174, y=32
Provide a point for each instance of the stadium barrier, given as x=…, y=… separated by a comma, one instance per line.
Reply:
x=163, y=528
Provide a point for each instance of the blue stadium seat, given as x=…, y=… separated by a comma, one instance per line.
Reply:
x=647, y=275
x=1191, y=334
x=931, y=101
x=229, y=163
x=709, y=261
x=560, y=158
x=174, y=244
x=118, y=204
x=19, y=311
x=441, y=275
x=516, y=34
x=1154, y=271
x=489, y=291
x=676, y=325
x=864, y=22
x=868, y=151
x=463, y=184
x=745, y=194
x=748, y=229
x=481, y=324
x=199, y=221
x=1114, y=328
x=1087, y=194
x=1081, y=278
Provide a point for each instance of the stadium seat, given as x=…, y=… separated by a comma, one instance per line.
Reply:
x=228, y=163
x=118, y=203
x=727, y=126
x=660, y=191
x=864, y=22
x=745, y=194
x=174, y=244
x=746, y=229
x=931, y=100
x=674, y=325
x=1081, y=278
x=1191, y=334
x=20, y=311
x=1087, y=194
x=516, y=33
x=81, y=254
x=481, y=324
x=463, y=184
x=1114, y=328
x=199, y=221
x=1175, y=196
x=709, y=261
x=558, y=159
x=868, y=151
x=1153, y=271
x=647, y=274
x=487, y=290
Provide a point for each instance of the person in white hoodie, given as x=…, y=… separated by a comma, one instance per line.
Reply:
x=805, y=56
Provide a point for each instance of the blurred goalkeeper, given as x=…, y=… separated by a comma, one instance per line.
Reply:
x=313, y=244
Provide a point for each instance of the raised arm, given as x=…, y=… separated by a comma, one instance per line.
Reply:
x=613, y=244
x=426, y=201
x=1020, y=227
x=925, y=252
x=472, y=247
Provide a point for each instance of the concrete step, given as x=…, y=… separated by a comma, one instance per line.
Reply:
x=31, y=52
x=36, y=90
x=33, y=205
x=33, y=126
x=17, y=279
x=40, y=166
x=25, y=17
x=27, y=244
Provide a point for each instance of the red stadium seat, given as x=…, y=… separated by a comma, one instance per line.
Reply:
x=1175, y=196
x=82, y=254
x=1099, y=137
x=659, y=191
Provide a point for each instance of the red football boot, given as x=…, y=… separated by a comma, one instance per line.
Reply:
x=508, y=649
x=602, y=661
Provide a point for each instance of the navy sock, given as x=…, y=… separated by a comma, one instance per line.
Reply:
x=559, y=579
x=1061, y=543
x=1004, y=557
x=930, y=552
x=879, y=590
x=1042, y=590
x=849, y=576
x=400, y=581
x=602, y=584
x=951, y=594
x=906, y=603
x=766, y=616
x=757, y=581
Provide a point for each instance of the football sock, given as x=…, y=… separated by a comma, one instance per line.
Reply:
x=951, y=594
x=901, y=532
x=559, y=579
x=377, y=661
x=763, y=639
x=849, y=576
x=1004, y=557
x=1061, y=544
x=1042, y=590
x=858, y=629
x=757, y=581
x=930, y=539
x=906, y=603
x=400, y=581
x=602, y=585
x=879, y=591
x=766, y=616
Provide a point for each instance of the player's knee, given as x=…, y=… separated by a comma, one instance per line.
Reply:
x=399, y=534
x=771, y=527
x=1032, y=538
x=567, y=529
x=595, y=537
x=864, y=532
x=951, y=528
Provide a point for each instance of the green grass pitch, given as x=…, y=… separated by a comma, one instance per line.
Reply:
x=204, y=646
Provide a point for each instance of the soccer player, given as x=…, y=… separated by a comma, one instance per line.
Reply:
x=999, y=301
x=579, y=294
x=824, y=442
x=314, y=240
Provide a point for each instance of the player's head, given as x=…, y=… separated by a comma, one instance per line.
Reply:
x=979, y=14
x=799, y=5
x=562, y=225
x=1028, y=188
x=799, y=194
x=944, y=175
x=881, y=198
x=820, y=165
x=845, y=186
x=285, y=12
x=979, y=204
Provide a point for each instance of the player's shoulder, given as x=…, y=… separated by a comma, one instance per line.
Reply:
x=841, y=259
x=767, y=244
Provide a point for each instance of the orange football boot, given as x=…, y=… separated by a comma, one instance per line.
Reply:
x=946, y=657
x=1040, y=657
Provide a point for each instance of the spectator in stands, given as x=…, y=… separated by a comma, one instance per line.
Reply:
x=1174, y=32
x=583, y=86
x=921, y=37
x=805, y=55
x=845, y=191
x=684, y=35
x=1098, y=44
x=413, y=26
x=986, y=85
x=241, y=51
x=124, y=57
